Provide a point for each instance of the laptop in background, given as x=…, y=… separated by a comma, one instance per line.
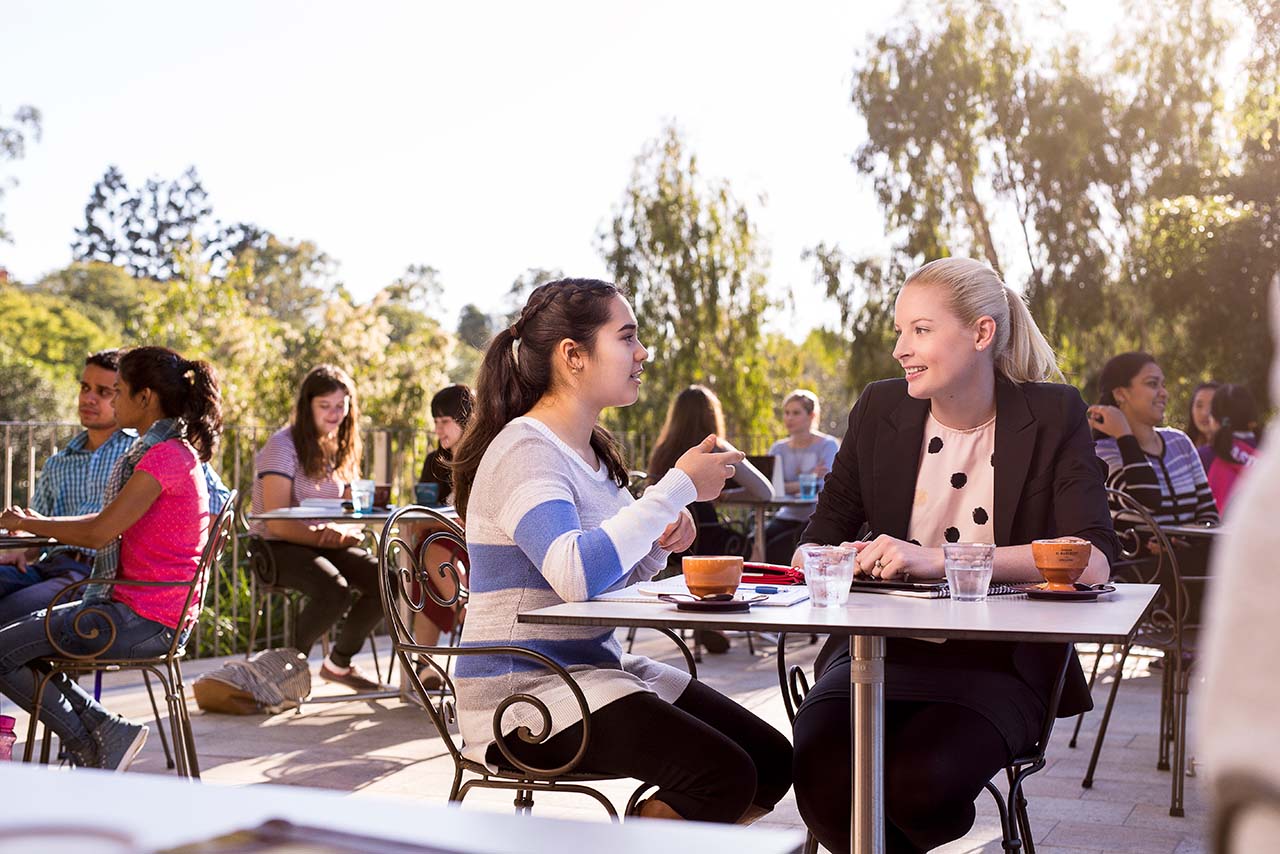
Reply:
x=763, y=462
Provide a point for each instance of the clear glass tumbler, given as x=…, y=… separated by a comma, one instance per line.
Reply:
x=828, y=572
x=362, y=495
x=968, y=567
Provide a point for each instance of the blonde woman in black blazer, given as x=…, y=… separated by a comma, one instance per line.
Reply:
x=956, y=712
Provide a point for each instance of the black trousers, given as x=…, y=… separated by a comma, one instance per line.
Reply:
x=938, y=756
x=710, y=758
x=329, y=578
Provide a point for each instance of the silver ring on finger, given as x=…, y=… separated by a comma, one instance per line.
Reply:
x=730, y=470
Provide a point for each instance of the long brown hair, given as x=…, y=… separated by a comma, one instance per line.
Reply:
x=516, y=373
x=345, y=462
x=694, y=414
x=187, y=390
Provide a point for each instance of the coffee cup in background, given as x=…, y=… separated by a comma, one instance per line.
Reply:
x=708, y=575
x=1061, y=560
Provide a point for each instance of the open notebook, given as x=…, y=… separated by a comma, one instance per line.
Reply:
x=648, y=591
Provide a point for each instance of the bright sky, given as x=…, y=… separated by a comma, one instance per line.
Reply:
x=479, y=138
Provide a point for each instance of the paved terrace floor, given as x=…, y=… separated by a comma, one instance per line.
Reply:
x=387, y=749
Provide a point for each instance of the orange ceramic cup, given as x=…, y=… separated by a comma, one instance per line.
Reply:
x=707, y=575
x=1062, y=560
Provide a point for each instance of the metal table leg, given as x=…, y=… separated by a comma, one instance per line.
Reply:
x=866, y=722
x=758, y=551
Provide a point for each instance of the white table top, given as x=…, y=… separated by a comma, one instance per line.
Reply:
x=323, y=514
x=161, y=812
x=1110, y=619
x=775, y=501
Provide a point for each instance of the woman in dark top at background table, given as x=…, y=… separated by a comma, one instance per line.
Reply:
x=450, y=410
x=972, y=445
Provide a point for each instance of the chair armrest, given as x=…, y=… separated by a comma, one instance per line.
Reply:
x=91, y=608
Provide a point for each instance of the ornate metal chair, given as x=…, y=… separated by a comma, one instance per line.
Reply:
x=166, y=668
x=1168, y=626
x=1015, y=824
x=406, y=583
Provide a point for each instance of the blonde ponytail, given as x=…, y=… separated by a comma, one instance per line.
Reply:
x=975, y=290
x=1028, y=357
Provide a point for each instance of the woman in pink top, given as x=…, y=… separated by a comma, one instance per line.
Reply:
x=153, y=527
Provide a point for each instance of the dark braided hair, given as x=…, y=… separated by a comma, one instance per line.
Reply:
x=517, y=372
x=187, y=390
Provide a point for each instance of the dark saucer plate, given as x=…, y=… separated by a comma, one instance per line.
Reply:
x=1082, y=593
x=686, y=602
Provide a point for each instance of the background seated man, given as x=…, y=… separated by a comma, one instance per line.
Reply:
x=71, y=483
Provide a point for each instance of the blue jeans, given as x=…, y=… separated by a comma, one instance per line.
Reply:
x=21, y=593
x=66, y=708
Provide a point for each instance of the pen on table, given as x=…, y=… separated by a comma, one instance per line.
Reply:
x=765, y=588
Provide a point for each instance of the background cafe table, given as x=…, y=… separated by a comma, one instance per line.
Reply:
x=867, y=620
x=372, y=520
x=18, y=541
x=142, y=812
x=758, y=508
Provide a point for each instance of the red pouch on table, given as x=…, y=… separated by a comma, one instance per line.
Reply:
x=770, y=573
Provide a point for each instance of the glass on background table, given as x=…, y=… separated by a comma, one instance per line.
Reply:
x=867, y=620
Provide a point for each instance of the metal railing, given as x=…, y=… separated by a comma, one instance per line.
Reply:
x=391, y=455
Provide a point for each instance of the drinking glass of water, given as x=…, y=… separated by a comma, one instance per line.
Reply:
x=828, y=572
x=362, y=495
x=808, y=485
x=968, y=567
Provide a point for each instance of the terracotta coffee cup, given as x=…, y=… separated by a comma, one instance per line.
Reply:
x=707, y=575
x=1061, y=561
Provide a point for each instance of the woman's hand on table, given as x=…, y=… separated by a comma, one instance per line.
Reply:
x=336, y=537
x=888, y=557
x=680, y=534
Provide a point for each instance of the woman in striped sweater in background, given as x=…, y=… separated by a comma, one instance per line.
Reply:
x=543, y=489
x=1156, y=465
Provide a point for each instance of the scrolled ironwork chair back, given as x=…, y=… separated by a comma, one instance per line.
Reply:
x=1136, y=528
x=406, y=585
x=86, y=623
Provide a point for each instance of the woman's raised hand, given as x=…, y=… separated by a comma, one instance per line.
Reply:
x=708, y=468
x=1109, y=420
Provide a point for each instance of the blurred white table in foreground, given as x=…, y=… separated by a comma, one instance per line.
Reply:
x=162, y=812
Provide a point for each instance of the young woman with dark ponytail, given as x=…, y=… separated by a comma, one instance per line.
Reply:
x=1234, y=414
x=153, y=527
x=549, y=519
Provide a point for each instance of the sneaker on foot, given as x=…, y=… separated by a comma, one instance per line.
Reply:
x=352, y=677
x=118, y=742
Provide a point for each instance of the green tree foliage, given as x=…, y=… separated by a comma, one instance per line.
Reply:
x=15, y=131
x=143, y=230
x=1121, y=191
x=688, y=255
x=290, y=279
x=475, y=328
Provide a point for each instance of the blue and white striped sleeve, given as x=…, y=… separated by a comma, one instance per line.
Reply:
x=542, y=519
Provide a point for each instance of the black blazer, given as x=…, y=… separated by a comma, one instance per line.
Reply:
x=1047, y=484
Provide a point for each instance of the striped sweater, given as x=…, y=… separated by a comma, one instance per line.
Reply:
x=544, y=528
x=1172, y=486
